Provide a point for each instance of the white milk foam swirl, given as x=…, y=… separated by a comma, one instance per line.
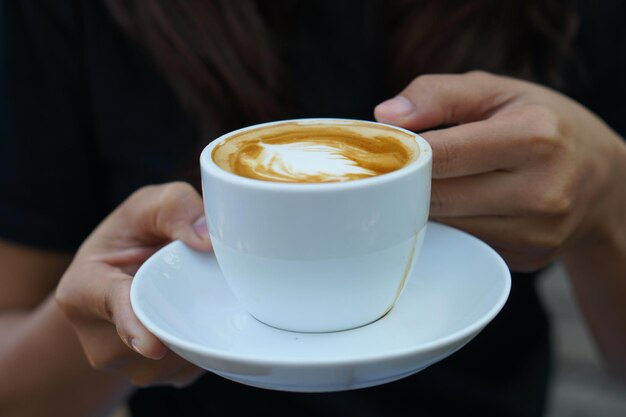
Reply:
x=301, y=160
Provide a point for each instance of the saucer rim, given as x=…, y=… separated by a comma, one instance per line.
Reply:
x=467, y=332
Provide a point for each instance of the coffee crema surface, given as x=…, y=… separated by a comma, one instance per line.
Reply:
x=316, y=153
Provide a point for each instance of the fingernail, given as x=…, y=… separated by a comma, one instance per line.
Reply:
x=399, y=105
x=137, y=345
x=200, y=227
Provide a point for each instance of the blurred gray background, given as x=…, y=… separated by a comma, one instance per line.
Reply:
x=581, y=387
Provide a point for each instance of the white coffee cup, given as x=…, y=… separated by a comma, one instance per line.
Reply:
x=318, y=257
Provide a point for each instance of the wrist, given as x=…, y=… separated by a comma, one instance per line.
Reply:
x=603, y=229
x=605, y=239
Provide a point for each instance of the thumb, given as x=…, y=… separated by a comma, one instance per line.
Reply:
x=167, y=212
x=431, y=101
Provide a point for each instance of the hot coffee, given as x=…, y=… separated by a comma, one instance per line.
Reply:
x=313, y=153
x=326, y=239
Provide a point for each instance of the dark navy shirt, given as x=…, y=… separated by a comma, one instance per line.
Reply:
x=86, y=118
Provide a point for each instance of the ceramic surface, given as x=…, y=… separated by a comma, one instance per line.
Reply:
x=459, y=284
x=296, y=254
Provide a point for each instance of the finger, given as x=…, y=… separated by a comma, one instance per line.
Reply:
x=161, y=213
x=105, y=351
x=106, y=299
x=102, y=345
x=176, y=213
x=127, y=260
x=525, y=246
x=128, y=326
x=111, y=354
x=187, y=376
x=435, y=100
x=515, y=137
x=495, y=194
x=479, y=147
x=123, y=257
x=144, y=372
x=180, y=378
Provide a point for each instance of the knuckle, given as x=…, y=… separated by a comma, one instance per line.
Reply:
x=527, y=258
x=544, y=242
x=424, y=80
x=64, y=299
x=169, y=198
x=142, y=193
x=556, y=203
x=154, y=207
x=438, y=198
x=175, y=190
x=117, y=299
x=105, y=361
x=547, y=242
x=427, y=84
x=68, y=296
x=66, y=304
x=106, y=309
x=554, y=199
x=546, y=123
x=96, y=362
x=479, y=75
x=436, y=205
x=444, y=157
x=549, y=232
x=535, y=248
x=172, y=194
x=488, y=81
x=112, y=299
x=162, y=194
x=530, y=264
x=546, y=132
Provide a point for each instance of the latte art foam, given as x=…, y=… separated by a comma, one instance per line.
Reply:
x=314, y=154
x=303, y=161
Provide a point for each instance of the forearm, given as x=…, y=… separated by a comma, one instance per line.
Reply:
x=44, y=371
x=597, y=271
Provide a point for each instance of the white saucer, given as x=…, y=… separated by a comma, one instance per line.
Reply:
x=458, y=286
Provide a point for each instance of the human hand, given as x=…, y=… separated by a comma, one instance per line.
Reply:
x=528, y=170
x=94, y=292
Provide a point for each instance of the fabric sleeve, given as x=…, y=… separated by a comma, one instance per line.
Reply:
x=48, y=169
